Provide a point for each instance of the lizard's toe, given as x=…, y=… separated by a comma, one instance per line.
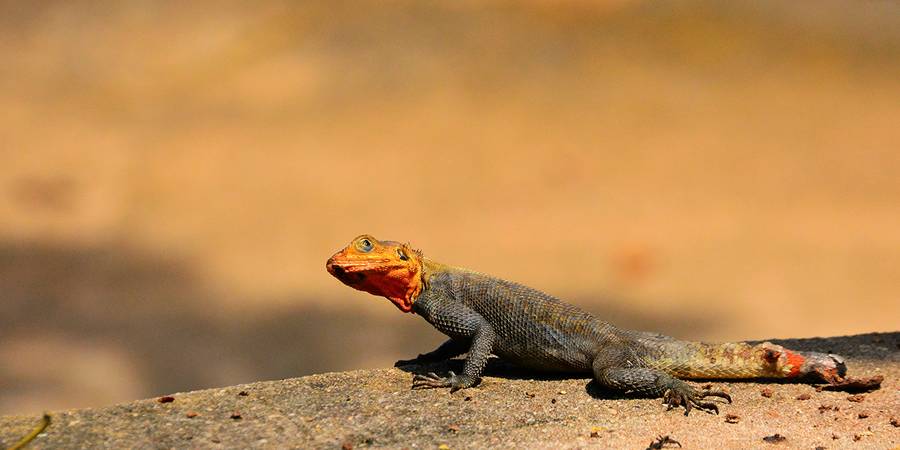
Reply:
x=684, y=395
x=453, y=381
x=431, y=380
x=720, y=394
x=707, y=406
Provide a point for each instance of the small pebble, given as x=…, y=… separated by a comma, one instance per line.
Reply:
x=804, y=396
x=824, y=407
x=732, y=418
x=856, y=398
x=859, y=436
x=895, y=421
x=166, y=399
x=775, y=438
x=766, y=392
x=236, y=416
x=192, y=414
x=863, y=414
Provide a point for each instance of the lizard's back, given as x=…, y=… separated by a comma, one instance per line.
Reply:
x=534, y=329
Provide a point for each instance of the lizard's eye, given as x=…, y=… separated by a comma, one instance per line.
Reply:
x=402, y=255
x=364, y=245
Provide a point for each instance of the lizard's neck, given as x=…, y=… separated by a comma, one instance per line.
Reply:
x=431, y=268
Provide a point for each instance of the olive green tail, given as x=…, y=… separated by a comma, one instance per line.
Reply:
x=741, y=360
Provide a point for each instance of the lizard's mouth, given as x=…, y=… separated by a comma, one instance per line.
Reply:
x=351, y=273
x=342, y=273
x=336, y=270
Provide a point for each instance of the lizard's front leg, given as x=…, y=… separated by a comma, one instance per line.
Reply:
x=482, y=344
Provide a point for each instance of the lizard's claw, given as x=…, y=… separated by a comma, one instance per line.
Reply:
x=682, y=394
x=432, y=380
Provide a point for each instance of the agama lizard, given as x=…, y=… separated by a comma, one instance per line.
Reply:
x=484, y=315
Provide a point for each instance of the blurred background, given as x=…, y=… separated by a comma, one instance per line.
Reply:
x=173, y=176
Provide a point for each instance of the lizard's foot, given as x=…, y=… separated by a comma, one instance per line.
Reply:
x=454, y=382
x=682, y=394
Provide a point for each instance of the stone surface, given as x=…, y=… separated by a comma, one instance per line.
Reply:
x=510, y=408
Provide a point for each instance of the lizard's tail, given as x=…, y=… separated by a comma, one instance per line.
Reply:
x=696, y=360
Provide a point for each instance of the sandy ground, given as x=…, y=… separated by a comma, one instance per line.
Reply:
x=376, y=408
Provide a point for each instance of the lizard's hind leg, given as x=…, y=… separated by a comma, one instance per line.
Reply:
x=649, y=382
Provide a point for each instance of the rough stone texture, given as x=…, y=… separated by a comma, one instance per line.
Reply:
x=510, y=408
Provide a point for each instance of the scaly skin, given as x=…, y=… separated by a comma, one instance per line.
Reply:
x=483, y=315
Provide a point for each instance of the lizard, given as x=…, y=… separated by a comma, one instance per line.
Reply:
x=484, y=315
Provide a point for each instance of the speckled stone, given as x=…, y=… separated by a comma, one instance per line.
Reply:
x=510, y=408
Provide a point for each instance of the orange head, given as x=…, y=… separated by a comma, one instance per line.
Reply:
x=386, y=268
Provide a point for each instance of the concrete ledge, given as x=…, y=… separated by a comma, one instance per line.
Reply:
x=509, y=409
